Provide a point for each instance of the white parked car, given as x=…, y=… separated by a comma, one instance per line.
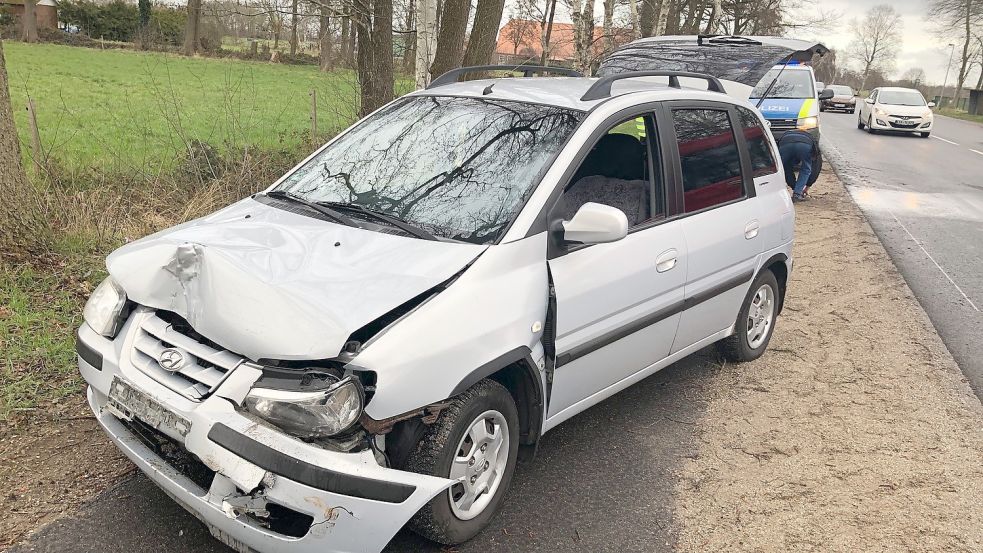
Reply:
x=374, y=339
x=896, y=109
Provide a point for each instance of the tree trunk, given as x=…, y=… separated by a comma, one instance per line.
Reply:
x=711, y=27
x=547, y=32
x=293, y=28
x=345, y=51
x=192, y=30
x=608, y=25
x=23, y=228
x=648, y=17
x=409, y=38
x=484, y=33
x=662, y=18
x=426, y=40
x=30, y=21
x=450, y=39
x=636, y=24
x=374, y=49
x=963, y=69
x=324, y=39
x=582, y=14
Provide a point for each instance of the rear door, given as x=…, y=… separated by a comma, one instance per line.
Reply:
x=720, y=218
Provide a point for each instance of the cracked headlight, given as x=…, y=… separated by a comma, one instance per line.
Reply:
x=807, y=123
x=105, y=310
x=316, y=414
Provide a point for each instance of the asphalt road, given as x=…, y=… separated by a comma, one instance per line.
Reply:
x=924, y=199
x=600, y=482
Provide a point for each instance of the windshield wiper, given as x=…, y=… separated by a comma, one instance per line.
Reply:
x=326, y=211
x=384, y=217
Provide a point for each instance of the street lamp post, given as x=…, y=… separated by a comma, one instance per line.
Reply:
x=952, y=49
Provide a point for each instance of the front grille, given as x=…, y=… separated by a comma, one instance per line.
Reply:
x=783, y=124
x=204, y=366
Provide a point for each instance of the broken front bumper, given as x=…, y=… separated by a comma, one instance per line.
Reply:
x=345, y=502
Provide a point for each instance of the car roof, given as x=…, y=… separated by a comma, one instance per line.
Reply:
x=898, y=89
x=566, y=92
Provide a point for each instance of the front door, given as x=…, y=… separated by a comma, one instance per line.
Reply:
x=617, y=303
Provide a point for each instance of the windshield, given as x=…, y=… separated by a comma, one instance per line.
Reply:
x=460, y=168
x=901, y=98
x=793, y=83
x=841, y=90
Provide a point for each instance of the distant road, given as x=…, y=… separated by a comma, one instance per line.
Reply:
x=924, y=199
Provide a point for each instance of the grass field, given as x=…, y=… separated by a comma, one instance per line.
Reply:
x=130, y=109
x=961, y=115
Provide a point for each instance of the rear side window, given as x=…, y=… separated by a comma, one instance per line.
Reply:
x=762, y=158
x=711, y=164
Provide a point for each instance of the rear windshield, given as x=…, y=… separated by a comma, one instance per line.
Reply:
x=792, y=83
x=461, y=168
x=841, y=90
x=901, y=98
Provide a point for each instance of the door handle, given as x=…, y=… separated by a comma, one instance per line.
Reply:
x=666, y=260
x=751, y=230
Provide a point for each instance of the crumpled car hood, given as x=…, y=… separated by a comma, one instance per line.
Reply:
x=268, y=283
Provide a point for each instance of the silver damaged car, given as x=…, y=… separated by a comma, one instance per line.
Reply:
x=375, y=339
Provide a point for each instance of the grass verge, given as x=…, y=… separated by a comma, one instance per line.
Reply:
x=956, y=114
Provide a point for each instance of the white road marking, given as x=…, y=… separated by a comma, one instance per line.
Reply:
x=976, y=151
x=944, y=140
x=932, y=259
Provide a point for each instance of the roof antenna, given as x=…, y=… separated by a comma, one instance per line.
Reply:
x=487, y=90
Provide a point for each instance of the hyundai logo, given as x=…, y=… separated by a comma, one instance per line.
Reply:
x=171, y=360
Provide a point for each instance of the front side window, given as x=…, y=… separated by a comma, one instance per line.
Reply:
x=616, y=173
x=461, y=168
x=792, y=83
x=711, y=163
x=901, y=98
x=762, y=158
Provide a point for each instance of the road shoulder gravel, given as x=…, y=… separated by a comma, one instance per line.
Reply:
x=855, y=432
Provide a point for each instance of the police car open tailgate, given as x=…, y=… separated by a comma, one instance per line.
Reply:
x=742, y=59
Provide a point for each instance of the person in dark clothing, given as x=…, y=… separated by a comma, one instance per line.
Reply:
x=797, y=147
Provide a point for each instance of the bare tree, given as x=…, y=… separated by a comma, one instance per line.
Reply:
x=520, y=30
x=294, y=39
x=192, y=29
x=959, y=18
x=30, y=21
x=608, y=25
x=582, y=14
x=450, y=39
x=325, y=42
x=426, y=40
x=913, y=77
x=484, y=32
x=876, y=40
x=373, y=20
x=547, y=30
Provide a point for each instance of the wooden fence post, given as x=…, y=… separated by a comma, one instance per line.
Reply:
x=36, y=153
x=314, y=116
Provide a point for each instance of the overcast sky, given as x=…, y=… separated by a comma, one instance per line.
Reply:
x=922, y=48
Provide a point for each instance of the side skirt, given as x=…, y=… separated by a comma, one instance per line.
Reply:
x=600, y=396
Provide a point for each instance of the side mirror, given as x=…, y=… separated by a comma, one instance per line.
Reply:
x=931, y=104
x=869, y=101
x=826, y=94
x=595, y=224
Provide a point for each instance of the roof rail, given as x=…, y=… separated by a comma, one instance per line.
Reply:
x=726, y=39
x=527, y=70
x=602, y=88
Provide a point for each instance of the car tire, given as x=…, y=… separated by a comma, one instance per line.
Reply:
x=442, y=519
x=870, y=129
x=745, y=345
x=925, y=134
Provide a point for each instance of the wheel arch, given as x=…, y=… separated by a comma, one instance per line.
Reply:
x=778, y=265
x=518, y=373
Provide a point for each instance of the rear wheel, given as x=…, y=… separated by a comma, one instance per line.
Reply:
x=756, y=321
x=475, y=443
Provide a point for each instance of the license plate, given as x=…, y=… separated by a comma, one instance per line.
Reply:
x=840, y=105
x=905, y=124
x=128, y=403
x=228, y=540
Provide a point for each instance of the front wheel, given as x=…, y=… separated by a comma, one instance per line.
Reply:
x=756, y=321
x=475, y=443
